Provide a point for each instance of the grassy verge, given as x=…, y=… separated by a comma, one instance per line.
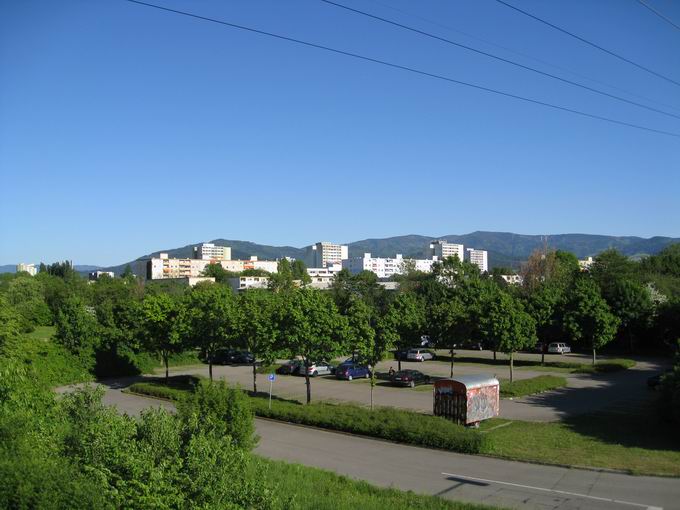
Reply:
x=531, y=386
x=268, y=369
x=636, y=442
x=569, y=367
x=316, y=489
x=384, y=423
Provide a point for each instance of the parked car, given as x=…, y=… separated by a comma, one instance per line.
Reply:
x=290, y=367
x=409, y=378
x=401, y=354
x=419, y=355
x=426, y=341
x=242, y=357
x=558, y=348
x=320, y=368
x=351, y=371
x=222, y=357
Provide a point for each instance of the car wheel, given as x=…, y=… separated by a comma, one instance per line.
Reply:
x=412, y=384
x=315, y=373
x=349, y=377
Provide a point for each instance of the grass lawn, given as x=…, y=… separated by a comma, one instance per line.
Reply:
x=531, y=386
x=635, y=442
x=316, y=489
x=567, y=367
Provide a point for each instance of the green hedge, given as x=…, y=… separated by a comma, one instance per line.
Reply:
x=384, y=423
x=531, y=386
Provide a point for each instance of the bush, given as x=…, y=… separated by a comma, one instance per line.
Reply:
x=531, y=386
x=214, y=408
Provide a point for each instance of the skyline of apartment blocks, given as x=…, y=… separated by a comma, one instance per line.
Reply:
x=382, y=267
x=27, y=268
x=443, y=249
x=479, y=258
x=325, y=253
x=208, y=251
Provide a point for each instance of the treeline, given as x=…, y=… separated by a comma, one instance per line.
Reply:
x=117, y=326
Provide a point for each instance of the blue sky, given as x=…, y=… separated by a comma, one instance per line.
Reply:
x=124, y=129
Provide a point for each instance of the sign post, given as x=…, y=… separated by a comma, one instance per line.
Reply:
x=271, y=378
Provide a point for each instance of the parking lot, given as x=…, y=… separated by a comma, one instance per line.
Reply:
x=584, y=392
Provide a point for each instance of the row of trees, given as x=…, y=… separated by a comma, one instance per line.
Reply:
x=113, y=323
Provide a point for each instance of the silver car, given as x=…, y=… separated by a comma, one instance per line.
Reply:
x=558, y=348
x=419, y=355
x=320, y=368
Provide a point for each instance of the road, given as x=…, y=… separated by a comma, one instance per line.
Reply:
x=449, y=475
x=584, y=392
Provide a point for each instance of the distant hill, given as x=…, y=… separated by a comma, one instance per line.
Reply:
x=505, y=248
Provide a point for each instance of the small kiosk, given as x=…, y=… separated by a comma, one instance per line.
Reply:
x=467, y=399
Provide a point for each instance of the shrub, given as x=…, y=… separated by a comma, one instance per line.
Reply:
x=216, y=409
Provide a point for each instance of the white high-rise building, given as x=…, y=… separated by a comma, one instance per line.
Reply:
x=27, y=268
x=382, y=267
x=324, y=254
x=208, y=251
x=479, y=258
x=444, y=249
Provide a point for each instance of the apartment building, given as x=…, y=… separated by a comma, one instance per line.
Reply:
x=382, y=267
x=27, y=268
x=443, y=249
x=208, y=251
x=586, y=263
x=96, y=275
x=324, y=254
x=249, y=282
x=478, y=257
x=165, y=267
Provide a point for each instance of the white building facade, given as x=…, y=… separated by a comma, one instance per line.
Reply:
x=382, y=267
x=443, y=249
x=27, y=268
x=208, y=251
x=478, y=257
x=165, y=267
x=324, y=254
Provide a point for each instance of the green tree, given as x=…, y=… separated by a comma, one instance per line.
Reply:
x=26, y=294
x=221, y=275
x=407, y=314
x=311, y=328
x=257, y=327
x=509, y=326
x=299, y=270
x=127, y=272
x=588, y=318
x=210, y=320
x=451, y=323
x=632, y=304
x=161, y=326
x=76, y=329
x=370, y=335
x=545, y=305
x=282, y=280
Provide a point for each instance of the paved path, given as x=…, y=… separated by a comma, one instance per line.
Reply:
x=449, y=475
x=584, y=393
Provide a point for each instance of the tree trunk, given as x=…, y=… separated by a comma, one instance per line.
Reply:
x=512, y=365
x=543, y=356
x=309, y=387
x=494, y=354
x=451, y=353
x=399, y=364
x=167, y=375
x=254, y=377
x=372, y=384
x=594, y=356
x=210, y=369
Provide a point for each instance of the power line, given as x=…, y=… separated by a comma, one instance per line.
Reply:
x=405, y=68
x=571, y=34
x=500, y=59
x=521, y=54
x=665, y=18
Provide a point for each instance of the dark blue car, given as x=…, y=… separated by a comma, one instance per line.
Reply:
x=351, y=371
